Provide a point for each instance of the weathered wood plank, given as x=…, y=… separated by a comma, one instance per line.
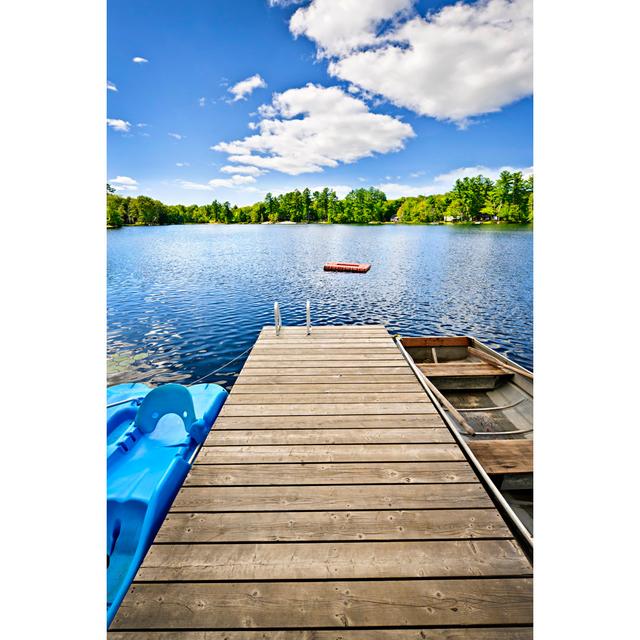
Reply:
x=422, y=421
x=476, y=633
x=238, y=437
x=327, y=604
x=359, y=370
x=338, y=348
x=504, y=456
x=310, y=526
x=330, y=380
x=328, y=473
x=330, y=453
x=437, y=341
x=319, y=398
x=326, y=341
x=332, y=497
x=326, y=388
x=461, y=369
x=333, y=560
x=326, y=409
x=325, y=355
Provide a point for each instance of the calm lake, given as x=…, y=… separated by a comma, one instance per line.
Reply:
x=184, y=300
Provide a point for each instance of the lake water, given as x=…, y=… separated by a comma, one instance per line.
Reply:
x=184, y=300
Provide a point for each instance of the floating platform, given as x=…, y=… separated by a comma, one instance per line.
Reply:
x=330, y=500
x=354, y=267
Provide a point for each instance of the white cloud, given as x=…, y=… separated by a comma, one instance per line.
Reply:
x=244, y=88
x=111, y=86
x=182, y=164
x=124, y=183
x=194, y=186
x=246, y=170
x=305, y=130
x=118, y=125
x=139, y=60
x=217, y=183
x=338, y=28
x=202, y=101
x=177, y=136
x=284, y=3
x=445, y=181
x=142, y=124
x=233, y=181
x=461, y=61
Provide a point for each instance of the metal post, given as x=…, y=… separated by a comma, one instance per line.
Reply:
x=276, y=314
x=308, y=318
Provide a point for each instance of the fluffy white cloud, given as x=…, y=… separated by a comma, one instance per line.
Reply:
x=217, y=183
x=182, y=164
x=118, y=125
x=233, y=181
x=139, y=60
x=305, y=130
x=461, y=61
x=177, y=136
x=284, y=3
x=124, y=183
x=445, y=181
x=246, y=170
x=202, y=101
x=340, y=27
x=111, y=86
x=244, y=88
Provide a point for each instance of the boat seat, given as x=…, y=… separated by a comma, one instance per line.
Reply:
x=461, y=369
x=451, y=376
x=170, y=399
x=499, y=457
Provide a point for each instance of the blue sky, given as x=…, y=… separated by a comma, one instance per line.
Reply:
x=228, y=100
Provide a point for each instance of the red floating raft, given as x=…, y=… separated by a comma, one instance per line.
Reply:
x=355, y=267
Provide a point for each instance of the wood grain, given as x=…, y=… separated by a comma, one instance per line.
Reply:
x=326, y=604
x=504, y=456
x=327, y=409
x=330, y=498
x=422, y=421
x=333, y=560
x=477, y=633
x=328, y=473
x=240, y=437
x=310, y=526
x=330, y=398
x=330, y=453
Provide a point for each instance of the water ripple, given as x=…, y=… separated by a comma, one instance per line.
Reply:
x=184, y=300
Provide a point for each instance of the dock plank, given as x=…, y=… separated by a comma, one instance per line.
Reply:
x=331, y=498
x=327, y=409
x=325, y=604
x=333, y=560
x=330, y=398
x=431, y=633
x=329, y=473
x=332, y=526
x=327, y=436
x=422, y=421
x=330, y=388
x=330, y=453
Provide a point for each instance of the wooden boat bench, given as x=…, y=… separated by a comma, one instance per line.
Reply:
x=499, y=457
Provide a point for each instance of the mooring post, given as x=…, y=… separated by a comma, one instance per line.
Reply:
x=308, y=318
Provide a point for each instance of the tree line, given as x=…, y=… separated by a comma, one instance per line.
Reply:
x=472, y=199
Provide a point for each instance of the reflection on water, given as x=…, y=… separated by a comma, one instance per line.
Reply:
x=184, y=300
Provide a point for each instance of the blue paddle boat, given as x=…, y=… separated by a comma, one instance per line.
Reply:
x=153, y=435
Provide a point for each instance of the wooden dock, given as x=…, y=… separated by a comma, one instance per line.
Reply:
x=330, y=501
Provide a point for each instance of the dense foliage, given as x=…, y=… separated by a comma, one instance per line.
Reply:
x=508, y=199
